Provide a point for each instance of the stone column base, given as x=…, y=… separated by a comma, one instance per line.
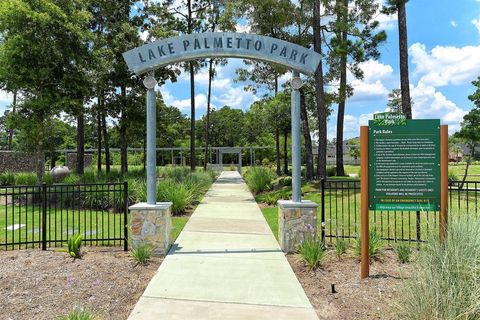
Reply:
x=296, y=221
x=151, y=224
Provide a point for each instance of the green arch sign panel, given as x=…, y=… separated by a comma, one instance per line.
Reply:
x=221, y=44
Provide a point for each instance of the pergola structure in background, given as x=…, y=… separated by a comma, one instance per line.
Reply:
x=177, y=153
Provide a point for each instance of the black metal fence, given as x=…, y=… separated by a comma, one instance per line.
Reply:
x=47, y=215
x=340, y=212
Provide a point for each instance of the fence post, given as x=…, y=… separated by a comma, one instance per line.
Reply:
x=364, y=234
x=419, y=230
x=444, y=182
x=125, y=219
x=322, y=186
x=44, y=216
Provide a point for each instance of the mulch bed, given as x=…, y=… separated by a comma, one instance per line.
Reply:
x=372, y=298
x=37, y=284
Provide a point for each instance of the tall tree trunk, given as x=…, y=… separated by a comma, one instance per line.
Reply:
x=80, y=143
x=403, y=43
x=469, y=161
x=277, y=149
x=320, y=97
x=192, y=92
x=207, y=125
x=343, y=11
x=40, y=167
x=306, y=137
x=99, y=133
x=53, y=159
x=192, y=118
x=277, y=135
x=105, y=141
x=123, y=134
x=10, y=131
x=285, y=152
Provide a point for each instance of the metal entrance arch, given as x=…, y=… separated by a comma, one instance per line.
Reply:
x=160, y=53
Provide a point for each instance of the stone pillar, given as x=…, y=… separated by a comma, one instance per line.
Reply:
x=151, y=224
x=296, y=221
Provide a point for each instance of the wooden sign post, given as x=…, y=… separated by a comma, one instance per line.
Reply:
x=365, y=262
x=403, y=166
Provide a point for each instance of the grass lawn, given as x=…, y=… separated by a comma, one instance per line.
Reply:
x=94, y=225
x=342, y=214
x=459, y=171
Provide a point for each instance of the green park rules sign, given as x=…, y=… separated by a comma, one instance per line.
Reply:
x=404, y=163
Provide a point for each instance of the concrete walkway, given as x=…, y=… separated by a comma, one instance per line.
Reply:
x=226, y=264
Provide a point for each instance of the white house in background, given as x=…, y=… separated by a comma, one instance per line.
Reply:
x=332, y=154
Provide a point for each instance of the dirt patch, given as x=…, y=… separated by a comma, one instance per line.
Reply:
x=357, y=299
x=38, y=284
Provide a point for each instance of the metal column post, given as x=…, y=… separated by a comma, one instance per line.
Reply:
x=296, y=141
x=150, y=84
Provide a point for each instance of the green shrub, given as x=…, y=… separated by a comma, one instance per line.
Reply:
x=404, y=252
x=142, y=254
x=375, y=245
x=7, y=179
x=25, y=179
x=452, y=176
x=114, y=175
x=177, y=193
x=47, y=178
x=446, y=281
x=72, y=178
x=331, y=171
x=79, y=314
x=74, y=245
x=285, y=181
x=258, y=179
x=312, y=252
x=340, y=247
x=265, y=162
x=271, y=198
x=89, y=176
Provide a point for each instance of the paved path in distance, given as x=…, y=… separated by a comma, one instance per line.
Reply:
x=225, y=264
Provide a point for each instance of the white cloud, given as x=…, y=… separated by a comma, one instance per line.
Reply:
x=454, y=23
x=430, y=103
x=5, y=97
x=351, y=126
x=476, y=23
x=372, y=86
x=387, y=22
x=184, y=104
x=445, y=65
x=243, y=27
x=235, y=97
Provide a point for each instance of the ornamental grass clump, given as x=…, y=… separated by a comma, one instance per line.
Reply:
x=404, y=252
x=311, y=250
x=375, y=245
x=259, y=179
x=142, y=254
x=74, y=246
x=446, y=281
x=178, y=193
x=79, y=314
x=340, y=247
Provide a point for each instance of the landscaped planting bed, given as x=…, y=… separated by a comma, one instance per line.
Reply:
x=38, y=284
x=372, y=298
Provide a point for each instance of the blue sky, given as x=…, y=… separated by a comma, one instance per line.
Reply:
x=444, y=54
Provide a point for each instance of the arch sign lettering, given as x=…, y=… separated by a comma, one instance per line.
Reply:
x=221, y=44
x=163, y=52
